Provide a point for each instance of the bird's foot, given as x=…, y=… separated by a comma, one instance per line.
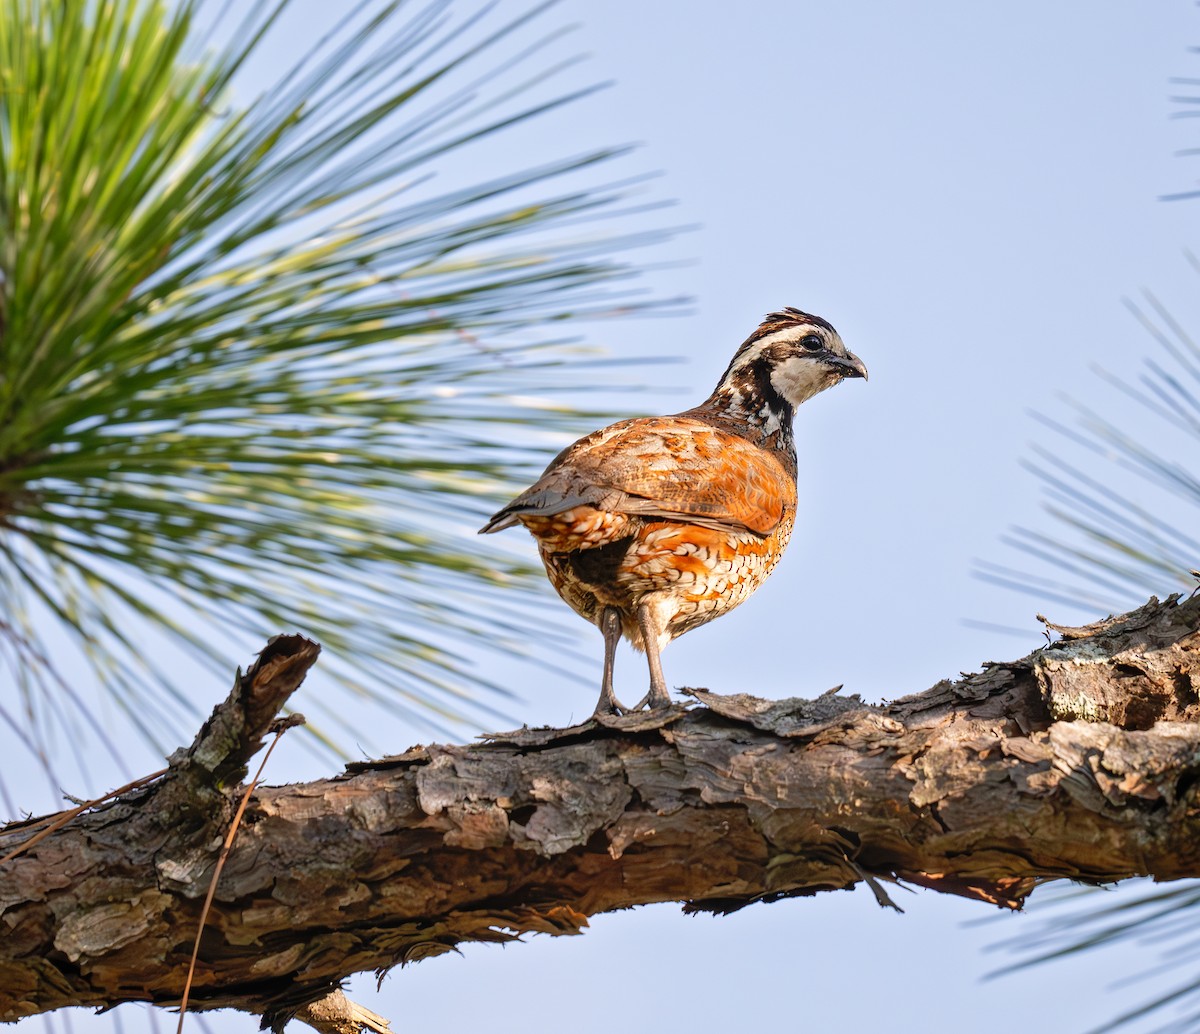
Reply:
x=613, y=708
x=658, y=699
x=608, y=705
x=651, y=701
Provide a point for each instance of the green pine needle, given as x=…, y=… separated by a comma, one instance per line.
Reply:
x=1114, y=548
x=254, y=368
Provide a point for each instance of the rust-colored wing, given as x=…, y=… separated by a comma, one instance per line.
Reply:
x=674, y=468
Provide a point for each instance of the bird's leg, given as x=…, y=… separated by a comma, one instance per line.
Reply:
x=610, y=627
x=658, y=696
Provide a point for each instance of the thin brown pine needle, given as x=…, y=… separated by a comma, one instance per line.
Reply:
x=212, y=884
x=63, y=817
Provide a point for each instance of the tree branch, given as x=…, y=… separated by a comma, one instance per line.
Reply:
x=1080, y=760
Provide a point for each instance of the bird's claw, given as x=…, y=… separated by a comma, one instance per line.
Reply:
x=612, y=707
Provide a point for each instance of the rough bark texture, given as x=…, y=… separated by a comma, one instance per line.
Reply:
x=1080, y=760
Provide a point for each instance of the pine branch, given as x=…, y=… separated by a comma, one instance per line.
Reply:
x=1080, y=760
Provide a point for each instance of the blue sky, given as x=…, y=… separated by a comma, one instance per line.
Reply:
x=967, y=192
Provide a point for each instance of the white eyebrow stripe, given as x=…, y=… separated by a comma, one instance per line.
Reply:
x=787, y=334
x=793, y=334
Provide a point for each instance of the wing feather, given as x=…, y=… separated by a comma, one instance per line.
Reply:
x=673, y=468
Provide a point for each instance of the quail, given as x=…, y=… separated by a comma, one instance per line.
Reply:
x=654, y=526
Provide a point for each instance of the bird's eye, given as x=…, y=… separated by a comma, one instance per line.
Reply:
x=812, y=342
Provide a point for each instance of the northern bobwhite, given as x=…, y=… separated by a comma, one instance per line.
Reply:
x=654, y=526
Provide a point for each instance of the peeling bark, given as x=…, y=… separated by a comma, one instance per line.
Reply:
x=1080, y=760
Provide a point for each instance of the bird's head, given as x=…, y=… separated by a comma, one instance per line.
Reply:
x=789, y=358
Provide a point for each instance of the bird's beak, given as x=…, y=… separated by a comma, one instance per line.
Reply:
x=849, y=364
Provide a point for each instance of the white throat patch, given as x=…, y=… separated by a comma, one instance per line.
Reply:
x=799, y=378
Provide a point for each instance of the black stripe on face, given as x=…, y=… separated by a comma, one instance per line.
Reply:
x=753, y=390
x=777, y=351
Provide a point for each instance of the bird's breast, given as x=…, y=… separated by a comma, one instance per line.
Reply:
x=597, y=559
